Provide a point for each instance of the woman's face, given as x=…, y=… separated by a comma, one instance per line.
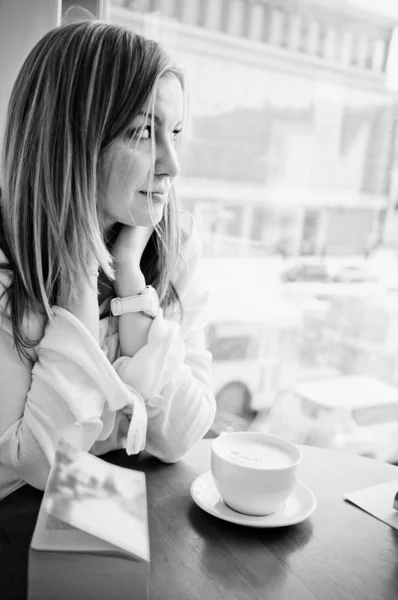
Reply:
x=127, y=163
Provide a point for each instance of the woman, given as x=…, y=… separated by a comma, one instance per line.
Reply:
x=101, y=315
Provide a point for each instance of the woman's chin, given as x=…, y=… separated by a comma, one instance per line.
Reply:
x=149, y=218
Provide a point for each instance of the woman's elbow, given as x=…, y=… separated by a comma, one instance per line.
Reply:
x=176, y=444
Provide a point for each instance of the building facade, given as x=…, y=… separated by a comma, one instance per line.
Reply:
x=292, y=128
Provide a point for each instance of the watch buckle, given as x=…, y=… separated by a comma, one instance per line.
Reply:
x=116, y=307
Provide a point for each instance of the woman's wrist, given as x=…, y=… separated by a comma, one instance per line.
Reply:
x=130, y=280
x=133, y=326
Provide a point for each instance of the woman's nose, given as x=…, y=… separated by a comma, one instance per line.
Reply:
x=167, y=162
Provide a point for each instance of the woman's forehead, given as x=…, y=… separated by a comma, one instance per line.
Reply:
x=167, y=104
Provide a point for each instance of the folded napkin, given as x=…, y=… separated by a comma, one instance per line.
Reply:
x=378, y=501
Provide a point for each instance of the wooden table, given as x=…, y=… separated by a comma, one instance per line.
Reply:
x=339, y=553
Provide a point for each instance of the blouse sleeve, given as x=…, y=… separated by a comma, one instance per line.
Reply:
x=71, y=391
x=172, y=371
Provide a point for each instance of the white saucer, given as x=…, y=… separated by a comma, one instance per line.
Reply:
x=298, y=507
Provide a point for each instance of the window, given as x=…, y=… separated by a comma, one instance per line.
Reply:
x=234, y=16
x=189, y=12
x=291, y=154
x=255, y=20
x=277, y=27
x=230, y=348
x=379, y=55
x=290, y=157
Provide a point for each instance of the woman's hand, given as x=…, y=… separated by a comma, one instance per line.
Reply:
x=130, y=245
x=127, y=252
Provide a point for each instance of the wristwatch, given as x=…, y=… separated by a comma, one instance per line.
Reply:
x=146, y=301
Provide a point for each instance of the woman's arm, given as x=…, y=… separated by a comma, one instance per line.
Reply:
x=172, y=374
x=19, y=449
x=127, y=252
x=172, y=370
x=28, y=397
x=71, y=388
x=130, y=282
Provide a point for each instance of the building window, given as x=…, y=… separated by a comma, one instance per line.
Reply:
x=278, y=20
x=379, y=55
x=369, y=53
x=346, y=47
x=168, y=8
x=235, y=17
x=354, y=51
x=190, y=11
x=304, y=32
x=295, y=26
x=202, y=13
x=213, y=14
x=312, y=39
x=363, y=43
x=330, y=43
x=255, y=21
x=321, y=46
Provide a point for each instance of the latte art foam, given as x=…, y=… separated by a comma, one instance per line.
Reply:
x=257, y=454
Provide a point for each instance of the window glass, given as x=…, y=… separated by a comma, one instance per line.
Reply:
x=290, y=170
x=231, y=341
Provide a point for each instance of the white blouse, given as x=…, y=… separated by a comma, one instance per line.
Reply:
x=78, y=389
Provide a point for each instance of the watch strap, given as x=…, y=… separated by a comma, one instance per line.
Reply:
x=136, y=303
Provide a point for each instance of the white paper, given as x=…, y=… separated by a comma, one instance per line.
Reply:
x=378, y=501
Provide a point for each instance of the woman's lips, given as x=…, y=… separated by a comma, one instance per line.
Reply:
x=157, y=196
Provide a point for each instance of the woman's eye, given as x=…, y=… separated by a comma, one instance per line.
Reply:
x=175, y=134
x=139, y=133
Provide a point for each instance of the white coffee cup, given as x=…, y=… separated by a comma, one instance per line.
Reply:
x=254, y=472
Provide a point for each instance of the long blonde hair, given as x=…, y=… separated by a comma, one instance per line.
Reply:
x=79, y=89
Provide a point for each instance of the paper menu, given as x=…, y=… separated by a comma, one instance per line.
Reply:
x=378, y=501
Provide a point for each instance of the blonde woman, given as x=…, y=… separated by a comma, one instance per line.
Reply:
x=101, y=312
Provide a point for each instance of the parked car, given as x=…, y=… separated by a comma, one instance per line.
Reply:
x=305, y=271
x=351, y=413
x=355, y=274
x=255, y=352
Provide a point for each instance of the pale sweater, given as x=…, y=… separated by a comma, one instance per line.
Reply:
x=77, y=386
